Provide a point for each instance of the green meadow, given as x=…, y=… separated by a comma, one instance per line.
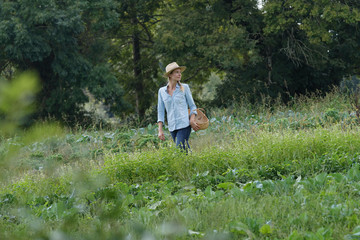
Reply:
x=265, y=171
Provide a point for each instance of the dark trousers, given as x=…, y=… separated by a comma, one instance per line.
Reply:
x=181, y=136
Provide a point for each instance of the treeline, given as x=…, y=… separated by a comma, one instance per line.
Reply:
x=116, y=49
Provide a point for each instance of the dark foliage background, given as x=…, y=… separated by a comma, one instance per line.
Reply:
x=116, y=50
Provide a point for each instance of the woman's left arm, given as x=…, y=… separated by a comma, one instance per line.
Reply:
x=190, y=100
x=192, y=106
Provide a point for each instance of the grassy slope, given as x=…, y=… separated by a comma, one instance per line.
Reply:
x=258, y=173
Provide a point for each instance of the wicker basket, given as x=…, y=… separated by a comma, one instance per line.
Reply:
x=201, y=120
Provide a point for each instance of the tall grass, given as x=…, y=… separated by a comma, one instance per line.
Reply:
x=258, y=172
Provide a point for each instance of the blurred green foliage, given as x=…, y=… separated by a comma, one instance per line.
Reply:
x=290, y=172
x=17, y=102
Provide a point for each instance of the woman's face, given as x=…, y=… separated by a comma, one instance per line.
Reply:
x=175, y=75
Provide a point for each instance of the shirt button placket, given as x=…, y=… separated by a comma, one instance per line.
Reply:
x=174, y=110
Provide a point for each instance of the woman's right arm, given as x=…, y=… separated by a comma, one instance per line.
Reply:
x=161, y=132
x=161, y=116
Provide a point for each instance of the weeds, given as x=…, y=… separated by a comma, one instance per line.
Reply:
x=285, y=172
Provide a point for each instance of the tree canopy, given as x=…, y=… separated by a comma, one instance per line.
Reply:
x=66, y=42
x=117, y=50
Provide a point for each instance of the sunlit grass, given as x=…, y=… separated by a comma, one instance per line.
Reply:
x=258, y=172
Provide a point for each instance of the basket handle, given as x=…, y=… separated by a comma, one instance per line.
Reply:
x=201, y=109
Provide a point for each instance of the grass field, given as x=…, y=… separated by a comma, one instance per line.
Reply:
x=267, y=171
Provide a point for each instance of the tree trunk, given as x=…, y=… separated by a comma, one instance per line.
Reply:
x=137, y=71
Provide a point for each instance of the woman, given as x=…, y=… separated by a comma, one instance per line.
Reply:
x=176, y=99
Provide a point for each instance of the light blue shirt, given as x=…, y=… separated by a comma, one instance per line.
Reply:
x=176, y=106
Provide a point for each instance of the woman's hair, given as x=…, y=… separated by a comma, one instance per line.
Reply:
x=181, y=86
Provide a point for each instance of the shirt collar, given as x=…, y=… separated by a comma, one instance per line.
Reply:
x=176, y=88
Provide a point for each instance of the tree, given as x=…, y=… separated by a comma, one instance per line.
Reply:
x=133, y=57
x=65, y=42
x=217, y=35
x=287, y=48
x=317, y=38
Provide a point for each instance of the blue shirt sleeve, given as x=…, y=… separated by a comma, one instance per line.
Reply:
x=161, y=108
x=190, y=100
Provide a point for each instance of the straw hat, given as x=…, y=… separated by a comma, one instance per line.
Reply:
x=171, y=67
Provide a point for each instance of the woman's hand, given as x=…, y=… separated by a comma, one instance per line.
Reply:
x=161, y=135
x=161, y=132
x=194, y=125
